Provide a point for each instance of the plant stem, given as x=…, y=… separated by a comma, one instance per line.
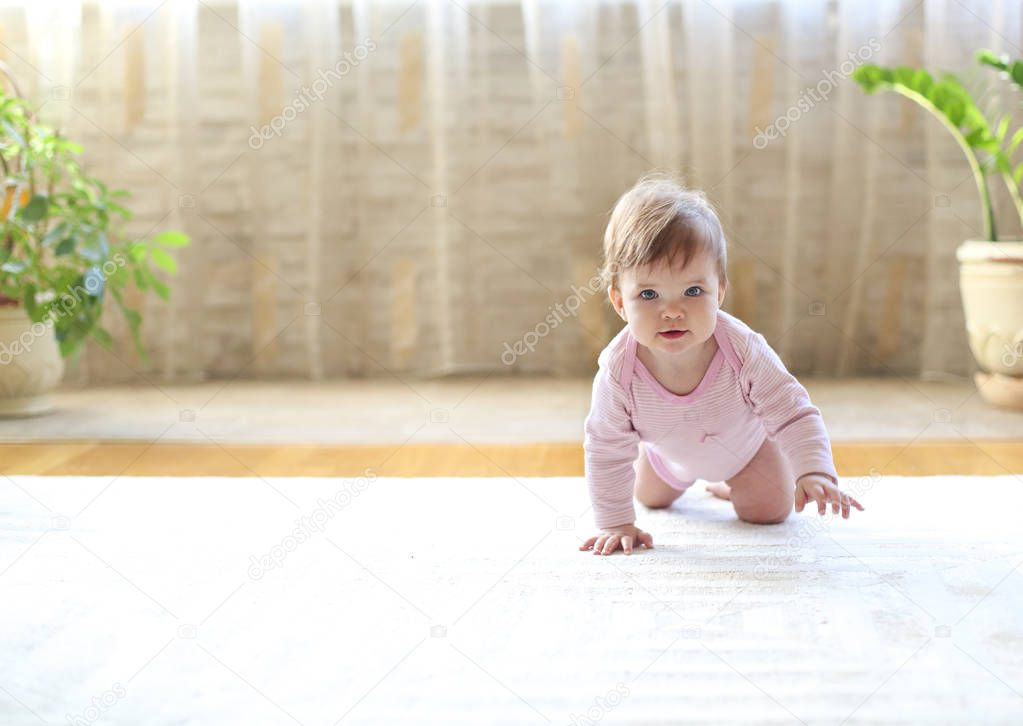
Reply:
x=978, y=173
x=1017, y=199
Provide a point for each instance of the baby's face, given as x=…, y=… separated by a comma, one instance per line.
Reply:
x=656, y=300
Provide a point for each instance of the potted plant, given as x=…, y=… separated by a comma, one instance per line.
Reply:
x=990, y=270
x=60, y=257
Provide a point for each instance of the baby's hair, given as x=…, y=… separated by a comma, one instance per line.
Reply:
x=655, y=221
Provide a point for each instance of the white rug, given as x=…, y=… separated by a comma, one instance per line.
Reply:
x=137, y=601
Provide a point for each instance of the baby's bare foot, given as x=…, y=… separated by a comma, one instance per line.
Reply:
x=719, y=489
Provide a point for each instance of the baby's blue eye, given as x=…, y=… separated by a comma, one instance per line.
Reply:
x=699, y=291
x=651, y=296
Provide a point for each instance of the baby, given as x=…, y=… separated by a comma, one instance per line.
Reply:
x=687, y=391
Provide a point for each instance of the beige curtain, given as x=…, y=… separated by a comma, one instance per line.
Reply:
x=419, y=188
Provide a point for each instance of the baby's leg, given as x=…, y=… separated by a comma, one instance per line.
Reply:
x=764, y=491
x=651, y=490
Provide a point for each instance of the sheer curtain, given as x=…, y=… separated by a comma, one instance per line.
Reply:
x=419, y=188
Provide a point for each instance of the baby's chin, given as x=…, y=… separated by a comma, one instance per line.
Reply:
x=686, y=342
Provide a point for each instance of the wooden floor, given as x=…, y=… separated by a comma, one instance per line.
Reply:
x=921, y=458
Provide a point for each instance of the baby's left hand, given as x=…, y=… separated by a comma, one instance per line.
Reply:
x=820, y=489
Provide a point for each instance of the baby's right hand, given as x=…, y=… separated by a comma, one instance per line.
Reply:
x=626, y=535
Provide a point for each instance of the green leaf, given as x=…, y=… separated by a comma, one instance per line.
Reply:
x=955, y=110
x=29, y=299
x=133, y=317
x=1000, y=161
x=134, y=323
x=103, y=337
x=164, y=260
x=870, y=77
x=905, y=76
x=138, y=252
x=1016, y=73
x=990, y=58
x=124, y=212
x=171, y=238
x=945, y=96
x=1003, y=126
x=161, y=289
x=976, y=137
x=66, y=247
x=117, y=296
x=35, y=209
x=1014, y=142
x=141, y=279
x=139, y=348
x=55, y=234
x=922, y=82
x=13, y=133
x=1013, y=69
x=990, y=146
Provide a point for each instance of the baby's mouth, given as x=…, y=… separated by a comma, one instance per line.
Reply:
x=672, y=334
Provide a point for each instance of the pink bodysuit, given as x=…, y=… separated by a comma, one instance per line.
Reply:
x=710, y=433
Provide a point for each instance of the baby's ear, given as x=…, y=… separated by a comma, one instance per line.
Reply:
x=616, y=301
x=722, y=289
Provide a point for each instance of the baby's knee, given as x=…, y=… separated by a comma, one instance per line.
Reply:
x=764, y=515
x=655, y=501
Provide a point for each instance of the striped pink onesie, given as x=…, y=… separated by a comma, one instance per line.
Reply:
x=710, y=433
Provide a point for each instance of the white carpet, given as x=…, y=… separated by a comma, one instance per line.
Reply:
x=133, y=601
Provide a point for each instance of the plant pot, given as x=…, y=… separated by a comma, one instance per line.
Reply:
x=30, y=364
x=991, y=284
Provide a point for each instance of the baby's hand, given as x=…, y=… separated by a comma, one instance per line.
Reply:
x=818, y=488
x=626, y=535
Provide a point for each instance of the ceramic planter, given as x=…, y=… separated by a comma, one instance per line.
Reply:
x=30, y=364
x=991, y=284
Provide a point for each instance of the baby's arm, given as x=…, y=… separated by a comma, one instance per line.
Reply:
x=784, y=405
x=611, y=446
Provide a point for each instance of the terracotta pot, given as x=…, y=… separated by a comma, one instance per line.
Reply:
x=991, y=285
x=30, y=364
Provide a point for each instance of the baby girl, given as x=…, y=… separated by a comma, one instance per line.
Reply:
x=688, y=391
